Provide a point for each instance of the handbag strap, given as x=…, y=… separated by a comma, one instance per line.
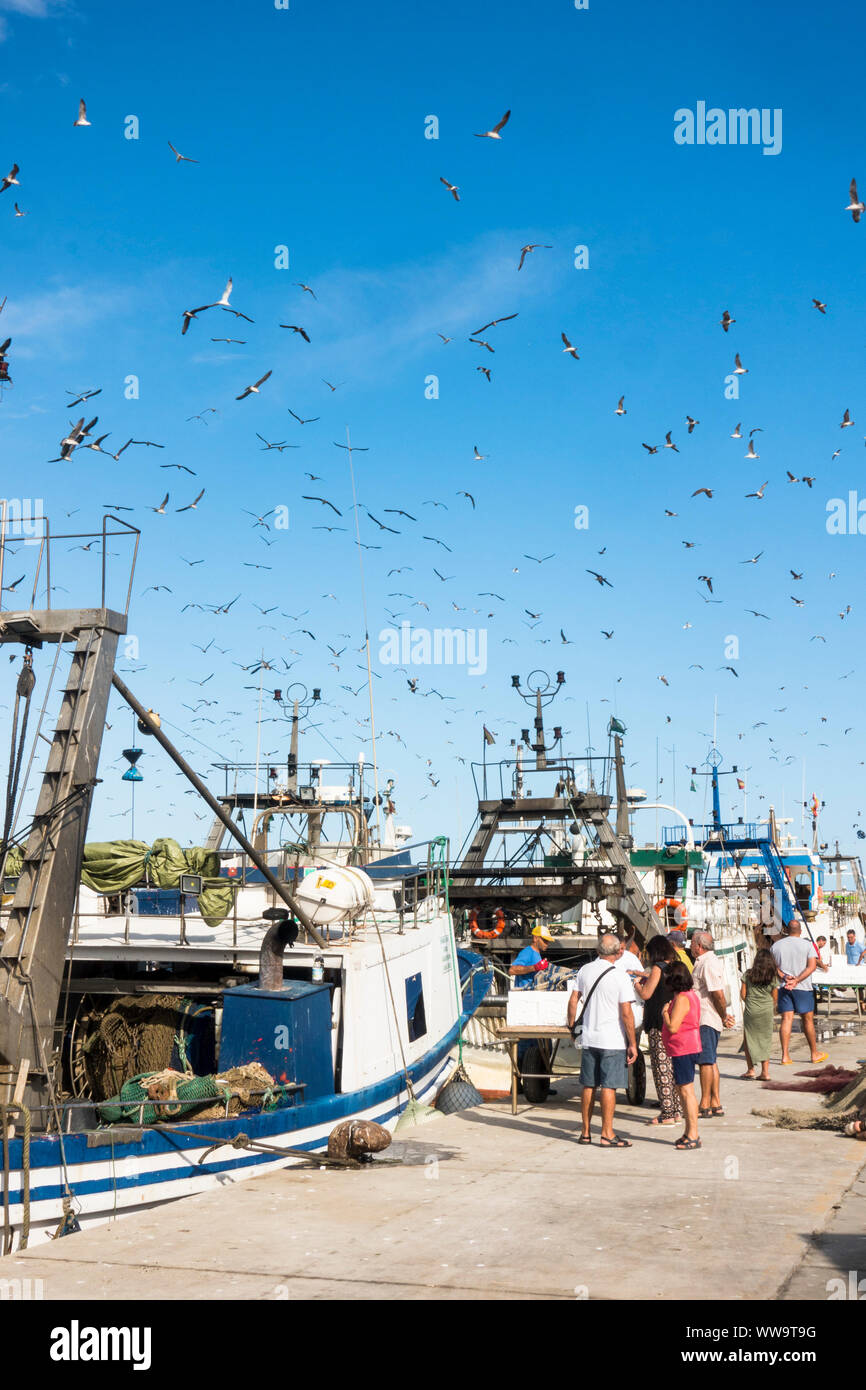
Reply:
x=593, y=987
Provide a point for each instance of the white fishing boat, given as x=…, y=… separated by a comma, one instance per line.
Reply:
x=173, y=1020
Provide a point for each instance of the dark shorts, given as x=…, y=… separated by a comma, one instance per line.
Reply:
x=684, y=1068
x=796, y=1001
x=604, y=1067
x=709, y=1046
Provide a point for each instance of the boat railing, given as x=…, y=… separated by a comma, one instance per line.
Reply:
x=501, y=779
x=726, y=911
x=20, y=529
x=729, y=832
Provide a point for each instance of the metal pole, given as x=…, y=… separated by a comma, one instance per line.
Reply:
x=219, y=811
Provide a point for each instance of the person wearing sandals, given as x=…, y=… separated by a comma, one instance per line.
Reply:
x=759, y=995
x=608, y=1045
x=661, y=955
x=796, y=960
x=708, y=979
x=681, y=1035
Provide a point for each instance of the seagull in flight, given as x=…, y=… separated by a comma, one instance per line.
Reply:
x=191, y=506
x=181, y=157
x=324, y=502
x=855, y=207
x=494, y=133
x=452, y=189
x=491, y=324
x=254, y=389
x=533, y=246
x=81, y=119
x=568, y=348
x=599, y=578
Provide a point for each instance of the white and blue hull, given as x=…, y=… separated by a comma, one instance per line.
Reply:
x=115, y=1177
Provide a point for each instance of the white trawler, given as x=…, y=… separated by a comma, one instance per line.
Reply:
x=172, y=1020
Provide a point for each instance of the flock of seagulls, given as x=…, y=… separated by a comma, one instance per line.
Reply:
x=403, y=532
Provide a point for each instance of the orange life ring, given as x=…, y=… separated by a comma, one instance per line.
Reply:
x=487, y=935
x=679, y=911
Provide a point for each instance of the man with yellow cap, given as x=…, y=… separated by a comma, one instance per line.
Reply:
x=531, y=960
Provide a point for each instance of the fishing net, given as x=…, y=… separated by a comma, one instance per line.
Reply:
x=828, y=1081
x=229, y=1093
x=806, y=1119
x=138, y=1035
x=854, y=1094
x=839, y=1107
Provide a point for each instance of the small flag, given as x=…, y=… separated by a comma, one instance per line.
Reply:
x=741, y=784
x=615, y=726
x=692, y=787
x=488, y=737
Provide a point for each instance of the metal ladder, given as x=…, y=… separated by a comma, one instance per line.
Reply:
x=775, y=867
x=33, y=953
x=481, y=840
x=632, y=905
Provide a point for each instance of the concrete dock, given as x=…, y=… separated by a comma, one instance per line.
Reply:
x=484, y=1205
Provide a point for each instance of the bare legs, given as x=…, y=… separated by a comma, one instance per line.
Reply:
x=608, y=1106
x=785, y=1022
x=689, y=1102
x=709, y=1089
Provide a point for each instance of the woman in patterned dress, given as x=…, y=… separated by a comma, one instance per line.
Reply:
x=661, y=955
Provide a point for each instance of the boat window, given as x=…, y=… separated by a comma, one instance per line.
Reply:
x=415, y=1007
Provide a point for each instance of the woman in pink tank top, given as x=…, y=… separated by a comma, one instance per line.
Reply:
x=681, y=1036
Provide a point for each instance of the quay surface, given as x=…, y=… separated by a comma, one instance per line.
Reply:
x=484, y=1204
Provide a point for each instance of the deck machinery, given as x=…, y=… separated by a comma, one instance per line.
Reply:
x=554, y=856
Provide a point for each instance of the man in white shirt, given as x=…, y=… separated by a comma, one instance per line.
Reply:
x=796, y=960
x=607, y=1039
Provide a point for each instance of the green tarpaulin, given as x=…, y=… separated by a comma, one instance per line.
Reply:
x=115, y=865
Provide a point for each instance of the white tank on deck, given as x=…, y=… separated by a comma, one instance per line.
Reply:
x=333, y=894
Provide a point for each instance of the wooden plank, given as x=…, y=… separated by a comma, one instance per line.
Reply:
x=18, y=1092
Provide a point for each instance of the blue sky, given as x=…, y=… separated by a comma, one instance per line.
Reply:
x=308, y=125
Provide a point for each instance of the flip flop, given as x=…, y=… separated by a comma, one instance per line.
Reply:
x=821, y=1058
x=717, y=1111
x=615, y=1143
x=585, y=1139
x=706, y=1114
x=688, y=1144
x=787, y=1064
